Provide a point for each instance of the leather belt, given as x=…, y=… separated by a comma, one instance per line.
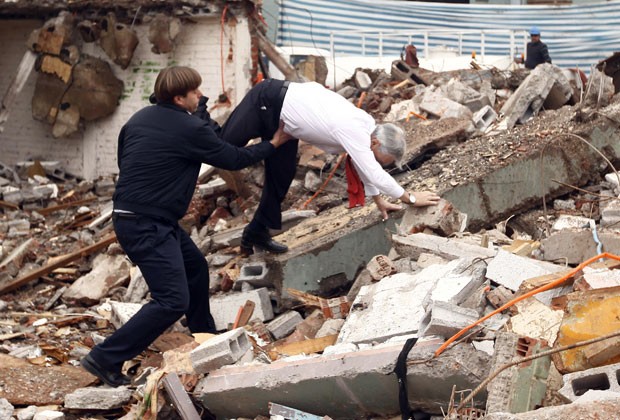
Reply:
x=283, y=90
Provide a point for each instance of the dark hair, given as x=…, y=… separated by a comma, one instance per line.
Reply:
x=175, y=80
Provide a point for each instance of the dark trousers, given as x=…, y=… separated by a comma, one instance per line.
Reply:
x=178, y=278
x=258, y=116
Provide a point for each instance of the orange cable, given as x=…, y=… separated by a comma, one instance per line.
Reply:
x=528, y=294
x=331, y=175
x=416, y=114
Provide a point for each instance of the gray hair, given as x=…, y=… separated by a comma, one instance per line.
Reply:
x=392, y=139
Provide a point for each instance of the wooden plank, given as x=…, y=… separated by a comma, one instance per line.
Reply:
x=48, y=210
x=180, y=400
x=313, y=345
x=17, y=84
x=60, y=262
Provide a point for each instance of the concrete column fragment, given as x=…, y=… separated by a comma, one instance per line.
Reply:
x=221, y=350
x=345, y=385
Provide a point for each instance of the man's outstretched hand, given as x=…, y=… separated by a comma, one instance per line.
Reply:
x=425, y=198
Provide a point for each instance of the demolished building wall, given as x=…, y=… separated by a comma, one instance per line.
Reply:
x=91, y=152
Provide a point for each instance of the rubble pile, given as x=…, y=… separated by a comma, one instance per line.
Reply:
x=458, y=319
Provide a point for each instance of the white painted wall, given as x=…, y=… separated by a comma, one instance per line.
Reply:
x=92, y=152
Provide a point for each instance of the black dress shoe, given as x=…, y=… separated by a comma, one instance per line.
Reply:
x=260, y=240
x=108, y=377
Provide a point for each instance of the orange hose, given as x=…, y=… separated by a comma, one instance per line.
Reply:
x=331, y=175
x=422, y=117
x=525, y=296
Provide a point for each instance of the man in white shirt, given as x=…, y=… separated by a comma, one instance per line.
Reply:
x=328, y=121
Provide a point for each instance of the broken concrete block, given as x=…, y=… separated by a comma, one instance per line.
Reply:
x=529, y=97
x=224, y=308
x=284, y=324
x=122, y=312
x=339, y=383
x=610, y=214
x=221, y=350
x=254, y=273
x=536, y=320
x=484, y=117
x=362, y=80
x=436, y=104
x=600, y=378
x=49, y=415
x=575, y=246
x=519, y=388
x=599, y=278
x=380, y=266
x=363, y=279
x=510, y=270
x=137, y=289
x=109, y=271
x=392, y=307
x=6, y=409
x=414, y=245
x=330, y=327
x=446, y=319
x=459, y=283
x=444, y=219
x=402, y=110
x=102, y=398
x=567, y=221
x=465, y=95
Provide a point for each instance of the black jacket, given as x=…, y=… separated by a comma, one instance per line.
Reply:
x=537, y=53
x=160, y=150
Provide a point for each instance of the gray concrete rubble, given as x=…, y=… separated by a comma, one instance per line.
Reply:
x=318, y=330
x=528, y=99
x=102, y=398
x=345, y=385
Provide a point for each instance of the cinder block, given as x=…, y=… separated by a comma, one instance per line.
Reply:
x=484, y=117
x=219, y=351
x=284, y=324
x=254, y=273
x=224, y=308
x=604, y=378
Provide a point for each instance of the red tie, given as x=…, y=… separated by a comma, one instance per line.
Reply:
x=355, y=187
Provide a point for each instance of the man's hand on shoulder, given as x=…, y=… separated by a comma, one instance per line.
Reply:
x=280, y=137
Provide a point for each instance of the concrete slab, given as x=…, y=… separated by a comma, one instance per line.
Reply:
x=329, y=249
x=345, y=385
x=392, y=307
x=511, y=270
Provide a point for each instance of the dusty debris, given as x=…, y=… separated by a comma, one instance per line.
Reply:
x=437, y=280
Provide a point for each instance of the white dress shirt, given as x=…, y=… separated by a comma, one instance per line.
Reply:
x=325, y=119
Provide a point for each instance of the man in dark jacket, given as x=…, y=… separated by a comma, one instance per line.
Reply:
x=537, y=52
x=160, y=150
